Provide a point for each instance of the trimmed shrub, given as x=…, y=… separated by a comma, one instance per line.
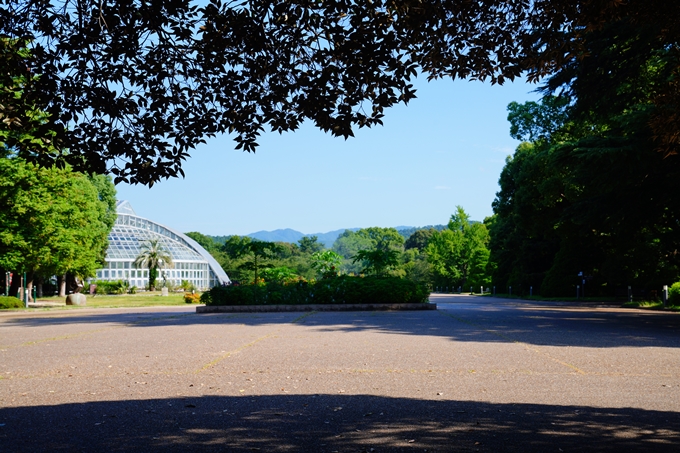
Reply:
x=674, y=294
x=10, y=302
x=110, y=287
x=340, y=290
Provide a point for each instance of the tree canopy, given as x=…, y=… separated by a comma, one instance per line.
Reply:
x=53, y=221
x=131, y=86
x=459, y=254
x=590, y=194
x=153, y=255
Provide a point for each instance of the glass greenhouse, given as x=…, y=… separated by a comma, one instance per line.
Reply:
x=191, y=261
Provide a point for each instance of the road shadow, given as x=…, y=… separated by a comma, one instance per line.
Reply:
x=332, y=423
x=470, y=320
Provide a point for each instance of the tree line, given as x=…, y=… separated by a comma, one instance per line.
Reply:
x=455, y=256
x=591, y=195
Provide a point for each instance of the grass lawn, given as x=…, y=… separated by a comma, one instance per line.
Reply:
x=149, y=299
x=655, y=305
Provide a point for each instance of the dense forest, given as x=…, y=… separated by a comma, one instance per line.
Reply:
x=591, y=195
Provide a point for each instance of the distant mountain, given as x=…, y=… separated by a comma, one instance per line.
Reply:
x=327, y=239
x=289, y=235
x=285, y=235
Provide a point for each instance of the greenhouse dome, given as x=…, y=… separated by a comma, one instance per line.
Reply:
x=191, y=262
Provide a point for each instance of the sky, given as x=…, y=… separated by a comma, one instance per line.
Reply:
x=445, y=148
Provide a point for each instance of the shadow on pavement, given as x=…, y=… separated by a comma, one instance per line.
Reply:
x=483, y=321
x=332, y=423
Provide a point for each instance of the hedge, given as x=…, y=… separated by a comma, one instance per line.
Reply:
x=674, y=294
x=11, y=302
x=110, y=286
x=340, y=290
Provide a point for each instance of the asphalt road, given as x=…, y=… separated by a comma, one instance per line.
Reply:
x=478, y=374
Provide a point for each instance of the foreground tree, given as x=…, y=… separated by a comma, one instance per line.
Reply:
x=132, y=86
x=153, y=255
x=590, y=192
x=52, y=222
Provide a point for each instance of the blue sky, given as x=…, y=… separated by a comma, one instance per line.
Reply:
x=446, y=148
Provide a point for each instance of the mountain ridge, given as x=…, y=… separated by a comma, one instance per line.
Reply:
x=328, y=238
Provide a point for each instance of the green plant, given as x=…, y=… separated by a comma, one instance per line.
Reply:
x=10, y=302
x=377, y=261
x=153, y=255
x=278, y=274
x=110, y=287
x=192, y=298
x=206, y=298
x=133, y=290
x=674, y=294
x=327, y=263
x=186, y=285
x=341, y=290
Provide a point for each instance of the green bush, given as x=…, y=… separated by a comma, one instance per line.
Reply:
x=10, y=302
x=341, y=290
x=674, y=294
x=186, y=285
x=110, y=287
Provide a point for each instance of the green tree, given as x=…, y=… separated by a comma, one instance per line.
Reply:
x=595, y=194
x=204, y=241
x=350, y=243
x=377, y=261
x=279, y=274
x=326, y=262
x=153, y=255
x=257, y=255
x=459, y=254
x=52, y=221
x=418, y=240
x=310, y=244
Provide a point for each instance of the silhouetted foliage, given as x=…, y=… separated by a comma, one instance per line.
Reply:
x=131, y=86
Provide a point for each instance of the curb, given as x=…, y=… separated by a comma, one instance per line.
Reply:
x=317, y=307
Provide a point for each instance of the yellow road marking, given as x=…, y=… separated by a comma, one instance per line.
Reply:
x=252, y=343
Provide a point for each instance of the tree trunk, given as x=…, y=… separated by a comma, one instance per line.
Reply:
x=153, y=274
x=62, y=285
x=255, y=261
x=29, y=286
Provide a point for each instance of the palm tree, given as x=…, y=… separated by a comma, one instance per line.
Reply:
x=152, y=256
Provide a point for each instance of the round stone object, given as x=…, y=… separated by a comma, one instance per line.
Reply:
x=76, y=299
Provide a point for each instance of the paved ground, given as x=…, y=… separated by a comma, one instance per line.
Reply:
x=476, y=375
